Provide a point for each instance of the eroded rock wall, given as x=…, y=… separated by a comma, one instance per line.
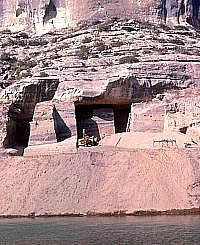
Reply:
x=18, y=105
x=46, y=15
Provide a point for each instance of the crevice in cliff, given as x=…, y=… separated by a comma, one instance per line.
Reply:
x=50, y=12
x=19, y=11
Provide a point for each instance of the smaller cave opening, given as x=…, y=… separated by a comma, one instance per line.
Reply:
x=183, y=130
x=19, y=11
x=50, y=12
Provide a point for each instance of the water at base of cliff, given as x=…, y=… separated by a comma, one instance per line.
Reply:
x=101, y=230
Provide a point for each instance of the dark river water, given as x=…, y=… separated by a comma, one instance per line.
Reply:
x=101, y=230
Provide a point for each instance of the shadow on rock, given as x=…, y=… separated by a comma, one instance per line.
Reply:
x=62, y=131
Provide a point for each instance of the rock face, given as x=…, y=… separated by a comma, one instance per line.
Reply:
x=44, y=15
x=106, y=66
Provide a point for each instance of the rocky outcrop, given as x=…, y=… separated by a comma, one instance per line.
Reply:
x=19, y=100
x=115, y=63
x=44, y=15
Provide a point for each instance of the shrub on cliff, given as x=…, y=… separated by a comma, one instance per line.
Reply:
x=101, y=46
x=87, y=40
x=6, y=58
x=104, y=27
x=83, y=52
x=117, y=43
x=128, y=59
x=38, y=42
x=26, y=64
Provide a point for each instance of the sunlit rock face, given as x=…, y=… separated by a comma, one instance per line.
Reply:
x=45, y=15
x=180, y=11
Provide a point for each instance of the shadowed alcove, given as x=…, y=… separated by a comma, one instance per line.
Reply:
x=50, y=12
x=98, y=119
x=18, y=128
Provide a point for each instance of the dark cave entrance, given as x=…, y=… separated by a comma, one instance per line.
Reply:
x=121, y=115
x=18, y=133
x=100, y=119
x=18, y=128
x=50, y=12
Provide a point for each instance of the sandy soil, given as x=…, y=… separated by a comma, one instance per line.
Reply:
x=100, y=180
x=144, y=140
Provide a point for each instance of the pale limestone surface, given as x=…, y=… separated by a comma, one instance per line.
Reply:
x=41, y=16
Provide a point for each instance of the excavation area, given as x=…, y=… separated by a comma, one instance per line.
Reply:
x=62, y=128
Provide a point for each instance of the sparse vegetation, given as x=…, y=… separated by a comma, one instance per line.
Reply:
x=83, y=52
x=117, y=43
x=177, y=41
x=87, y=40
x=37, y=42
x=181, y=28
x=104, y=27
x=128, y=59
x=26, y=64
x=6, y=58
x=101, y=46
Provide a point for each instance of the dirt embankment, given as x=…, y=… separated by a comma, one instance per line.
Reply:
x=100, y=182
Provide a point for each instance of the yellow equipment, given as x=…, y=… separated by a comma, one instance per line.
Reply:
x=87, y=140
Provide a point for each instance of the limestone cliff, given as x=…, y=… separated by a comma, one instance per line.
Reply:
x=44, y=15
x=110, y=63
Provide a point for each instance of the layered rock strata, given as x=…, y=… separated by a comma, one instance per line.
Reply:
x=131, y=62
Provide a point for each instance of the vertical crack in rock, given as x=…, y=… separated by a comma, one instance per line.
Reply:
x=21, y=8
x=182, y=9
x=163, y=10
x=195, y=12
x=50, y=12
